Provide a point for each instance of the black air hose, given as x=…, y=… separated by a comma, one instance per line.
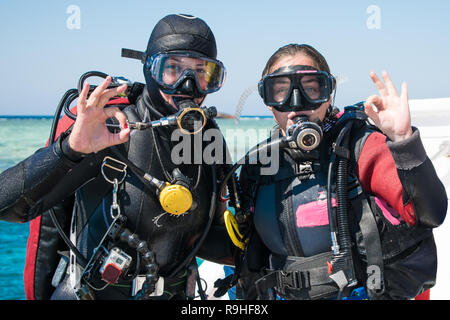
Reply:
x=57, y=115
x=67, y=103
x=343, y=259
x=342, y=199
x=89, y=74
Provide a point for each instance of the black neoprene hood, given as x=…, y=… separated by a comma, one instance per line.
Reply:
x=176, y=32
x=182, y=32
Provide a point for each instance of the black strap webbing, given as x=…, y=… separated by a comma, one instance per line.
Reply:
x=133, y=54
x=372, y=244
x=294, y=280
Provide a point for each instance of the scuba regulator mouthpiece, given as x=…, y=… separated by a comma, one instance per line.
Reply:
x=304, y=134
x=189, y=86
x=191, y=118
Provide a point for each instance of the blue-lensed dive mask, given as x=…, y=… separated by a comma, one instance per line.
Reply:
x=186, y=73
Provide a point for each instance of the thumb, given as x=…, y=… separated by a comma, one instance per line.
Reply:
x=121, y=137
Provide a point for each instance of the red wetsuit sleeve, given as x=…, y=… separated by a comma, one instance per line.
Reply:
x=378, y=175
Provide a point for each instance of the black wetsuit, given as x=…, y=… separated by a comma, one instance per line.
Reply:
x=31, y=187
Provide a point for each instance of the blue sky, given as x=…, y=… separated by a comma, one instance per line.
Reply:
x=40, y=57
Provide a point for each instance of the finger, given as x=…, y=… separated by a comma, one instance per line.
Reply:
x=372, y=115
x=81, y=103
x=404, y=96
x=376, y=102
x=389, y=84
x=378, y=83
x=371, y=111
x=115, y=112
x=123, y=135
x=119, y=138
x=109, y=93
x=95, y=95
x=404, y=99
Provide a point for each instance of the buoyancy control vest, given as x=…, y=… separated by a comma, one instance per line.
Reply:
x=391, y=259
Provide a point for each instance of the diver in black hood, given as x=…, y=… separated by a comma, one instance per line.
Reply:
x=185, y=35
x=131, y=236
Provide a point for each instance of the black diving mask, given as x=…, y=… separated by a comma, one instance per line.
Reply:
x=296, y=88
x=186, y=73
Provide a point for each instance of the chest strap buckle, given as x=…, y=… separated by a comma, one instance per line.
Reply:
x=294, y=280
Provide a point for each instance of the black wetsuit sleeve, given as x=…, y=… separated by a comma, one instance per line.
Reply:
x=24, y=188
x=420, y=182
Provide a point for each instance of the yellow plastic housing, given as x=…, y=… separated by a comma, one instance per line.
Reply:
x=175, y=199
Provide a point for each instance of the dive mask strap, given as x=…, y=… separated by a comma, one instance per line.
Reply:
x=133, y=54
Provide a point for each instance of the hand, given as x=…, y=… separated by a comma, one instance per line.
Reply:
x=89, y=133
x=389, y=111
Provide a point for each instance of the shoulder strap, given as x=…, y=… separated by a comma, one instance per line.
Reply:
x=359, y=135
x=372, y=243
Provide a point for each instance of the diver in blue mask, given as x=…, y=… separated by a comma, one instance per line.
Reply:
x=131, y=219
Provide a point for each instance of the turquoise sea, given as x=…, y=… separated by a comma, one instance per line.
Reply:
x=21, y=136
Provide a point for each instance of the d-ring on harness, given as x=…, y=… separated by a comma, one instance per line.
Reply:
x=115, y=208
x=146, y=288
x=117, y=231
